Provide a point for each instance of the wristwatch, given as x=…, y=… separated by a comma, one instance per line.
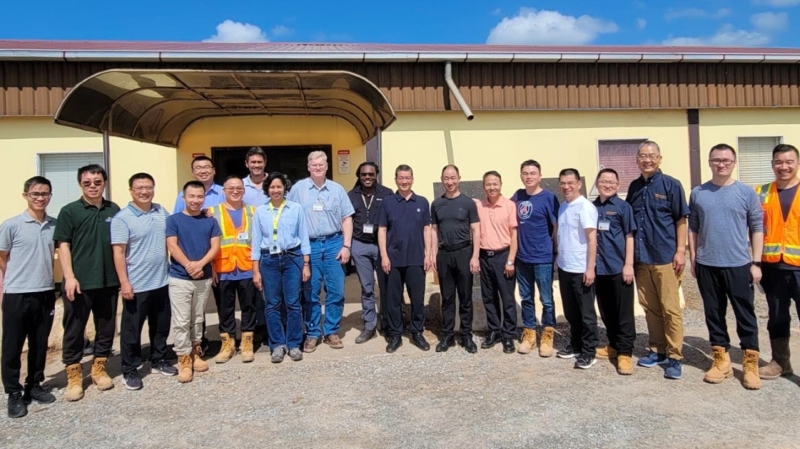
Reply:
x=756, y=264
x=510, y=263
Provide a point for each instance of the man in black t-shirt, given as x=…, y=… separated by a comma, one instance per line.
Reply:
x=455, y=246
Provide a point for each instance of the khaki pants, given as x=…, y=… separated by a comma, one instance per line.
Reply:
x=188, y=300
x=660, y=298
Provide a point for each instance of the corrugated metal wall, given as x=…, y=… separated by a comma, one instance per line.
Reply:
x=37, y=88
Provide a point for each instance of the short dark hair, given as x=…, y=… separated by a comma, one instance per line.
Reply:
x=138, y=176
x=451, y=166
x=570, y=171
x=92, y=169
x=36, y=180
x=367, y=164
x=530, y=163
x=193, y=184
x=229, y=177
x=403, y=167
x=255, y=151
x=722, y=147
x=287, y=185
x=605, y=170
x=492, y=173
x=201, y=158
x=785, y=148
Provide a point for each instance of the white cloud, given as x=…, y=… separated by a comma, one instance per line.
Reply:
x=770, y=21
x=532, y=26
x=497, y=12
x=696, y=13
x=281, y=30
x=641, y=23
x=724, y=37
x=230, y=31
x=777, y=3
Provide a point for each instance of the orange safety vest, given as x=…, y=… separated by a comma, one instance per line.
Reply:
x=781, y=238
x=233, y=251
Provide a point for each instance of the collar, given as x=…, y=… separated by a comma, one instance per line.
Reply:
x=611, y=200
x=103, y=205
x=249, y=183
x=500, y=202
x=311, y=184
x=154, y=208
x=215, y=188
x=27, y=218
x=400, y=198
x=652, y=178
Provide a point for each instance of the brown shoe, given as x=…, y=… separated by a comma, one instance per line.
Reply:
x=750, y=379
x=185, y=372
x=606, y=352
x=624, y=365
x=198, y=364
x=546, y=343
x=334, y=341
x=311, y=344
x=780, y=364
x=99, y=376
x=528, y=341
x=247, y=347
x=720, y=367
x=228, y=348
x=74, y=383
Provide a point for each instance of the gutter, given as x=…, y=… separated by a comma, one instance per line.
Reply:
x=448, y=78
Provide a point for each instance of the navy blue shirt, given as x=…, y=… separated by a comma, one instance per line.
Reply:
x=618, y=216
x=405, y=223
x=194, y=239
x=658, y=203
x=536, y=217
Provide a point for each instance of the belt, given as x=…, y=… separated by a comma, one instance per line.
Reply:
x=457, y=247
x=325, y=237
x=493, y=252
x=290, y=252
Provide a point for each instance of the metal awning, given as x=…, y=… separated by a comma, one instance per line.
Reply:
x=156, y=106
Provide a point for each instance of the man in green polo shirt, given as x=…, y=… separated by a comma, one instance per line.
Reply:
x=83, y=233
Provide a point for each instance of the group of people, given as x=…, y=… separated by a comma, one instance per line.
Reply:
x=274, y=246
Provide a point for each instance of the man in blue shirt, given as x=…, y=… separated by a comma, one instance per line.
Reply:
x=660, y=209
x=203, y=171
x=329, y=216
x=537, y=218
x=256, y=162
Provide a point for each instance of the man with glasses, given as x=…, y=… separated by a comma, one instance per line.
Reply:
x=256, y=162
x=367, y=198
x=83, y=233
x=660, y=210
x=26, y=258
x=725, y=216
x=329, y=215
x=203, y=171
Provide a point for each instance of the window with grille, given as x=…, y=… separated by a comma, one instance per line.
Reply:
x=755, y=159
x=621, y=156
x=62, y=171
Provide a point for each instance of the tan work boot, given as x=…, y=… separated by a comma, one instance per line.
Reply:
x=198, y=364
x=74, y=383
x=546, y=343
x=750, y=379
x=720, y=367
x=624, y=365
x=606, y=352
x=99, y=376
x=247, y=347
x=185, y=372
x=528, y=341
x=780, y=364
x=228, y=348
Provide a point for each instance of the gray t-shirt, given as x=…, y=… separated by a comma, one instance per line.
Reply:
x=30, y=249
x=723, y=218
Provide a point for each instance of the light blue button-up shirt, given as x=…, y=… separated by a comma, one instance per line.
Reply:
x=292, y=229
x=253, y=196
x=336, y=206
x=214, y=197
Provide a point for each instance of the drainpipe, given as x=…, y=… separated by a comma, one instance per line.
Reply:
x=448, y=78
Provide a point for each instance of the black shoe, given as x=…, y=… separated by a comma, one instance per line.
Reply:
x=567, y=353
x=38, y=394
x=365, y=336
x=446, y=343
x=163, y=367
x=419, y=341
x=585, y=361
x=16, y=405
x=468, y=344
x=491, y=339
x=394, y=342
x=132, y=381
x=508, y=345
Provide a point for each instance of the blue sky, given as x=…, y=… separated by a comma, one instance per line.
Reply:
x=576, y=22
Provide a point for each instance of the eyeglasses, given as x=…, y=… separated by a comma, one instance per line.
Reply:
x=203, y=168
x=143, y=189
x=234, y=189
x=367, y=175
x=648, y=157
x=96, y=182
x=37, y=195
x=723, y=162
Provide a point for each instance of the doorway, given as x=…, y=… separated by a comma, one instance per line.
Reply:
x=289, y=159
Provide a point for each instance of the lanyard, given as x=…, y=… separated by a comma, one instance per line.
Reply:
x=371, y=199
x=275, y=219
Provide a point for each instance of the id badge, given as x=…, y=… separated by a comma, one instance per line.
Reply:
x=604, y=225
x=273, y=249
x=317, y=207
x=243, y=236
x=369, y=228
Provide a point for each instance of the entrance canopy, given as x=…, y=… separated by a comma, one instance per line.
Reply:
x=156, y=106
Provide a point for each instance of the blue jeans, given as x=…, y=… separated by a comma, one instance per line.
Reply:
x=325, y=268
x=282, y=279
x=542, y=275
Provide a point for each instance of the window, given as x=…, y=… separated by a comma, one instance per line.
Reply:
x=755, y=159
x=621, y=156
x=62, y=171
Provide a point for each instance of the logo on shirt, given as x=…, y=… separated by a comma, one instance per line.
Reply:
x=524, y=209
x=419, y=210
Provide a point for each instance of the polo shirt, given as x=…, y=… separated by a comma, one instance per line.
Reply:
x=214, y=197
x=405, y=222
x=574, y=218
x=144, y=237
x=453, y=218
x=537, y=215
x=367, y=211
x=87, y=229
x=336, y=206
x=611, y=241
x=658, y=203
x=194, y=235
x=30, y=247
x=253, y=195
x=497, y=221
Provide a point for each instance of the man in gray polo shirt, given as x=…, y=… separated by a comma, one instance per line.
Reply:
x=26, y=258
x=138, y=233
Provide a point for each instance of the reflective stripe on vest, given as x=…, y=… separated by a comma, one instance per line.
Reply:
x=781, y=237
x=234, y=252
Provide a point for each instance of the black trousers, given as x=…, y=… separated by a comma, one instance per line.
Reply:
x=615, y=301
x=413, y=278
x=151, y=306
x=719, y=285
x=102, y=304
x=781, y=287
x=578, y=302
x=226, y=305
x=497, y=291
x=454, y=276
x=25, y=315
